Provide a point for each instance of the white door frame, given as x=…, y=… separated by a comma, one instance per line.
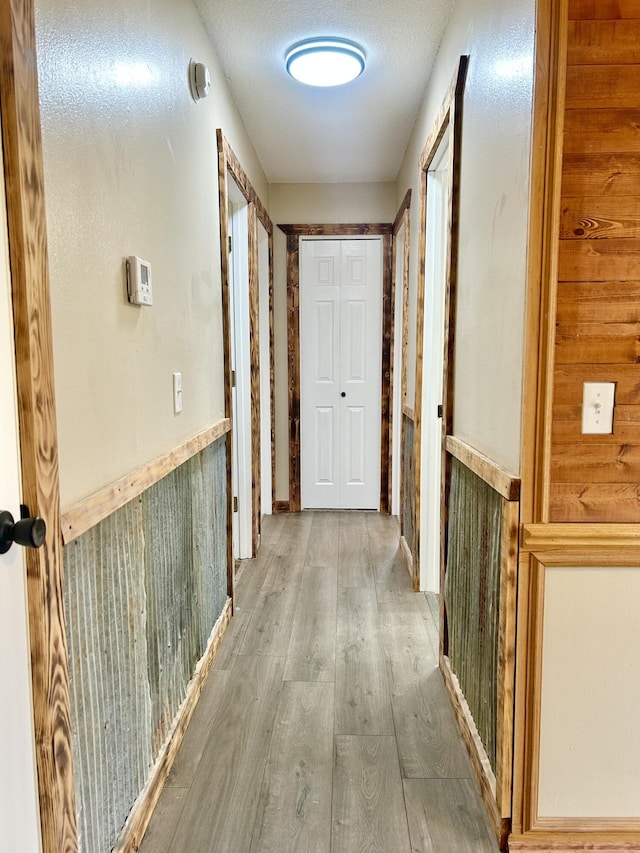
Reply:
x=241, y=365
x=19, y=808
x=437, y=224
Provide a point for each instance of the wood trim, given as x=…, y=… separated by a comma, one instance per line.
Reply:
x=585, y=824
x=26, y=216
x=400, y=219
x=408, y=556
x=501, y=481
x=280, y=506
x=506, y=654
x=408, y=412
x=476, y=751
x=140, y=815
x=386, y=401
x=223, y=199
x=534, y=691
x=87, y=513
x=580, y=537
x=345, y=229
x=405, y=318
x=396, y=430
x=544, y=216
x=294, y=232
x=229, y=163
x=272, y=374
x=293, y=355
x=244, y=184
x=551, y=843
x=547, y=144
x=254, y=379
x=531, y=821
x=450, y=113
x=450, y=313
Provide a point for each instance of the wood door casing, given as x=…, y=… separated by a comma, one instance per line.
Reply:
x=293, y=233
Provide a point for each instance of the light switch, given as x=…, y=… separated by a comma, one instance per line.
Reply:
x=177, y=393
x=597, y=408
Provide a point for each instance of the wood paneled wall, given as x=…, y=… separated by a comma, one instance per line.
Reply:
x=595, y=477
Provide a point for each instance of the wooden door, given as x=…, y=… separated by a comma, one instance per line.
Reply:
x=340, y=358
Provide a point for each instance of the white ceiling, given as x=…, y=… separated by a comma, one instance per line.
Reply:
x=357, y=132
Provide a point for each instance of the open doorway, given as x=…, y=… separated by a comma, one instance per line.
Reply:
x=436, y=227
x=241, y=372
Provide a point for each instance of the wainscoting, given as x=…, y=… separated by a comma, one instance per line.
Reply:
x=146, y=596
x=408, y=491
x=477, y=621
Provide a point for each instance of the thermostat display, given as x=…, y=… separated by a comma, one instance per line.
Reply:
x=139, y=281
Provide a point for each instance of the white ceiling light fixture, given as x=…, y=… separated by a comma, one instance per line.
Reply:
x=325, y=61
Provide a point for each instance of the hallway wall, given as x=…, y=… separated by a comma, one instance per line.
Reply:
x=131, y=167
x=305, y=204
x=496, y=139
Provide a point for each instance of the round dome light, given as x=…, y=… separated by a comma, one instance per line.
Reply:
x=325, y=61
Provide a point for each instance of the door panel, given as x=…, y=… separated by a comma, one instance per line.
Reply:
x=340, y=352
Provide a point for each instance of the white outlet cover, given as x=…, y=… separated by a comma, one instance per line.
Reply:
x=597, y=408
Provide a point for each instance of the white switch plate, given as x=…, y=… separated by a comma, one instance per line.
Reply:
x=177, y=393
x=597, y=408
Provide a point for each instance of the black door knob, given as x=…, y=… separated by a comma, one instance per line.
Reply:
x=29, y=532
x=344, y=394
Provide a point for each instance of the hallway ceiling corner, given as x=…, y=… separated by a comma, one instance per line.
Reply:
x=354, y=133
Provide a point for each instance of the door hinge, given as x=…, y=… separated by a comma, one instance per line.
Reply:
x=235, y=503
x=230, y=249
x=440, y=411
x=233, y=379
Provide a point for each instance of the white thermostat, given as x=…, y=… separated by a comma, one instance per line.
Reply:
x=139, y=281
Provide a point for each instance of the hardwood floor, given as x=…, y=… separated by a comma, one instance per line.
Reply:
x=324, y=726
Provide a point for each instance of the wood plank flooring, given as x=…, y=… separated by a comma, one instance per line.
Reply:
x=324, y=726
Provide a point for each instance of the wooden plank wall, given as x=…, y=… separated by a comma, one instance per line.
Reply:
x=595, y=478
x=143, y=589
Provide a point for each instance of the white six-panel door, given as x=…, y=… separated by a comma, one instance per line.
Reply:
x=340, y=361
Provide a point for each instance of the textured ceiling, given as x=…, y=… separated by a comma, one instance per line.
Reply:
x=357, y=132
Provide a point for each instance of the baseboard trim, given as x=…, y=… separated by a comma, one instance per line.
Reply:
x=281, y=506
x=477, y=755
x=408, y=559
x=142, y=811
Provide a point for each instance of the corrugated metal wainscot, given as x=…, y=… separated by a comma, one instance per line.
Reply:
x=408, y=485
x=144, y=589
x=472, y=595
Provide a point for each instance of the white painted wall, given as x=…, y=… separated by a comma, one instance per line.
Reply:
x=309, y=203
x=131, y=168
x=590, y=721
x=499, y=37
